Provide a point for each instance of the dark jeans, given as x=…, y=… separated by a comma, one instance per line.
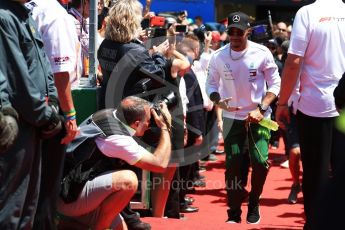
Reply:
x=235, y=135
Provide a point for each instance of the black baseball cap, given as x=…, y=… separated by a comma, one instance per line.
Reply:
x=238, y=20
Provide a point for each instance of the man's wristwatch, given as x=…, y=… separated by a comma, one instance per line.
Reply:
x=263, y=108
x=215, y=97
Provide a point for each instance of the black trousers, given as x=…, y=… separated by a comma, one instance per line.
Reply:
x=323, y=160
x=172, y=208
x=53, y=155
x=315, y=136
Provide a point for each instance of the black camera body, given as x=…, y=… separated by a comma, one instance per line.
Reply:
x=156, y=93
x=169, y=99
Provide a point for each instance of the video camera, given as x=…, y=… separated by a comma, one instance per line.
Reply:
x=261, y=32
x=154, y=26
x=157, y=26
x=200, y=33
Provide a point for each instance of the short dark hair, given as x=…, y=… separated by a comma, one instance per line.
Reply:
x=198, y=18
x=132, y=109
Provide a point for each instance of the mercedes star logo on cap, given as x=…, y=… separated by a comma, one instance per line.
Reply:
x=236, y=18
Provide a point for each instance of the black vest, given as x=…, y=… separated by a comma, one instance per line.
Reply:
x=84, y=161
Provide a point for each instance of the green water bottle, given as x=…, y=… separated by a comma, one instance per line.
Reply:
x=340, y=122
x=268, y=123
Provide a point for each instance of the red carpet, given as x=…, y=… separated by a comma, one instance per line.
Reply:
x=276, y=213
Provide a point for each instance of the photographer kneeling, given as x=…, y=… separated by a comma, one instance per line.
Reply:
x=96, y=184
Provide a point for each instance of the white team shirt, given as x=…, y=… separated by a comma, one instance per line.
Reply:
x=122, y=147
x=318, y=35
x=59, y=37
x=246, y=80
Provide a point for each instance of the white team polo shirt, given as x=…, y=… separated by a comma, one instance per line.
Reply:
x=246, y=80
x=318, y=35
x=121, y=146
x=59, y=37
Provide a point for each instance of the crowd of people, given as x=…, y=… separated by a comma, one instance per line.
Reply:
x=170, y=90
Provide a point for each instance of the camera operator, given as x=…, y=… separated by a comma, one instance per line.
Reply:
x=31, y=90
x=125, y=62
x=90, y=201
x=122, y=49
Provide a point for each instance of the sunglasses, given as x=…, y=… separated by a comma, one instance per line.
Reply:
x=233, y=32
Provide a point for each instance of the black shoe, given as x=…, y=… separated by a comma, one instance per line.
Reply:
x=189, y=200
x=253, y=215
x=234, y=216
x=202, y=168
x=199, y=177
x=138, y=226
x=199, y=183
x=295, y=189
x=188, y=209
x=180, y=216
x=212, y=158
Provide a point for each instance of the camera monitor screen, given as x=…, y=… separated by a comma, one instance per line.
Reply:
x=181, y=28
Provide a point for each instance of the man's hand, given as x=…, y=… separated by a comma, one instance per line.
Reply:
x=283, y=116
x=8, y=130
x=72, y=131
x=53, y=126
x=172, y=30
x=143, y=36
x=162, y=48
x=223, y=104
x=208, y=40
x=164, y=120
x=255, y=116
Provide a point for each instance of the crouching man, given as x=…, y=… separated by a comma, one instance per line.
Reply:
x=96, y=183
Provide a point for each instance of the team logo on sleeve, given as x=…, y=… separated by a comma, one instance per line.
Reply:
x=61, y=60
